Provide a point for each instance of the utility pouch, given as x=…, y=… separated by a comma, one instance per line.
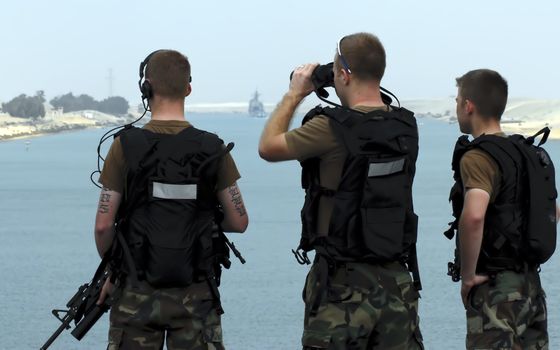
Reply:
x=383, y=214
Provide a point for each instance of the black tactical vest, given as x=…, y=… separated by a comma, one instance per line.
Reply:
x=505, y=217
x=169, y=202
x=373, y=218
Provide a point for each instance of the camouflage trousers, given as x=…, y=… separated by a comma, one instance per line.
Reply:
x=364, y=306
x=185, y=318
x=509, y=314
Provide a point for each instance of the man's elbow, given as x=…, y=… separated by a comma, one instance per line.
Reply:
x=102, y=229
x=274, y=154
x=266, y=153
x=242, y=224
x=473, y=219
x=239, y=225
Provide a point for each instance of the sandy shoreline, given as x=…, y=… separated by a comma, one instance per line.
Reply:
x=12, y=128
x=524, y=116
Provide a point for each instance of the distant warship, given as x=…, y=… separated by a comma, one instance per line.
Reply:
x=256, y=107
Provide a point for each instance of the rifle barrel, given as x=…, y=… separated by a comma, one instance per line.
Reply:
x=55, y=335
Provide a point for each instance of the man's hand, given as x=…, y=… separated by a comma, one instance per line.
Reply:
x=301, y=85
x=467, y=284
x=106, y=290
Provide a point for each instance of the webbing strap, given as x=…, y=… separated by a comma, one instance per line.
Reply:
x=215, y=294
x=133, y=273
x=135, y=145
x=544, y=131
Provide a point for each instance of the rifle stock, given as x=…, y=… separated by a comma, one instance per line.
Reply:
x=232, y=247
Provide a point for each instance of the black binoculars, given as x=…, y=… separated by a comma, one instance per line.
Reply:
x=323, y=77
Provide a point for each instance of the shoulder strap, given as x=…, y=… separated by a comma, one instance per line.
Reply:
x=312, y=114
x=211, y=147
x=395, y=129
x=135, y=145
x=461, y=147
x=343, y=116
x=497, y=147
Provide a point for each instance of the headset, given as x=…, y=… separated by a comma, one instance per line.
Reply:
x=144, y=85
x=147, y=93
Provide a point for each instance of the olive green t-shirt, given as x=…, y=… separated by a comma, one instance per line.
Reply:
x=316, y=139
x=113, y=175
x=479, y=170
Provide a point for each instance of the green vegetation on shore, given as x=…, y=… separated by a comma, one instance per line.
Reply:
x=24, y=106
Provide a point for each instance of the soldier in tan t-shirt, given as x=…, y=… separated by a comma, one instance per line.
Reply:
x=505, y=305
x=379, y=302
x=190, y=317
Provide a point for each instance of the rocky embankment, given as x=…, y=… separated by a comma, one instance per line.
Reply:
x=11, y=127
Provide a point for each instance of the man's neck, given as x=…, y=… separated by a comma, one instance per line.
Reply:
x=487, y=127
x=365, y=96
x=168, y=110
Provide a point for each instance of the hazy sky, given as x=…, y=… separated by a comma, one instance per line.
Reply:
x=237, y=46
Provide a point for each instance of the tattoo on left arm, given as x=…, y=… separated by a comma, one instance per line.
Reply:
x=104, y=201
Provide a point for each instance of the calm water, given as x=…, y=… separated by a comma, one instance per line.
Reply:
x=47, y=208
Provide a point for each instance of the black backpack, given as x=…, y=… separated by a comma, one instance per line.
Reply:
x=168, y=213
x=539, y=242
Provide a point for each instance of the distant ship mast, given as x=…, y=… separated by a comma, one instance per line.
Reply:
x=256, y=107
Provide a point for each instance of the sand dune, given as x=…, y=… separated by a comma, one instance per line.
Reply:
x=525, y=116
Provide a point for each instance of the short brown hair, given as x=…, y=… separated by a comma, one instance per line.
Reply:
x=169, y=73
x=364, y=54
x=486, y=89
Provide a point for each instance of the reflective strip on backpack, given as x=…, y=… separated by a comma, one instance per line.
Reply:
x=388, y=168
x=172, y=191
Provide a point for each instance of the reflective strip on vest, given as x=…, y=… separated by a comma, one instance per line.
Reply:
x=172, y=191
x=388, y=168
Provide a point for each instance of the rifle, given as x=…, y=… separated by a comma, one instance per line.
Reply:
x=82, y=307
x=218, y=232
x=231, y=246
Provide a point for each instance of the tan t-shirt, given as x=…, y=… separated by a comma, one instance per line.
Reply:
x=479, y=170
x=113, y=175
x=316, y=139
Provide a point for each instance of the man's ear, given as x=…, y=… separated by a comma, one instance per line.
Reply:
x=469, y=106
x=189, y=90
x=345, y=76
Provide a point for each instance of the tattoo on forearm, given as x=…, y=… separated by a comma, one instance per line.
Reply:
x=104, y=201
x=237, y=200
